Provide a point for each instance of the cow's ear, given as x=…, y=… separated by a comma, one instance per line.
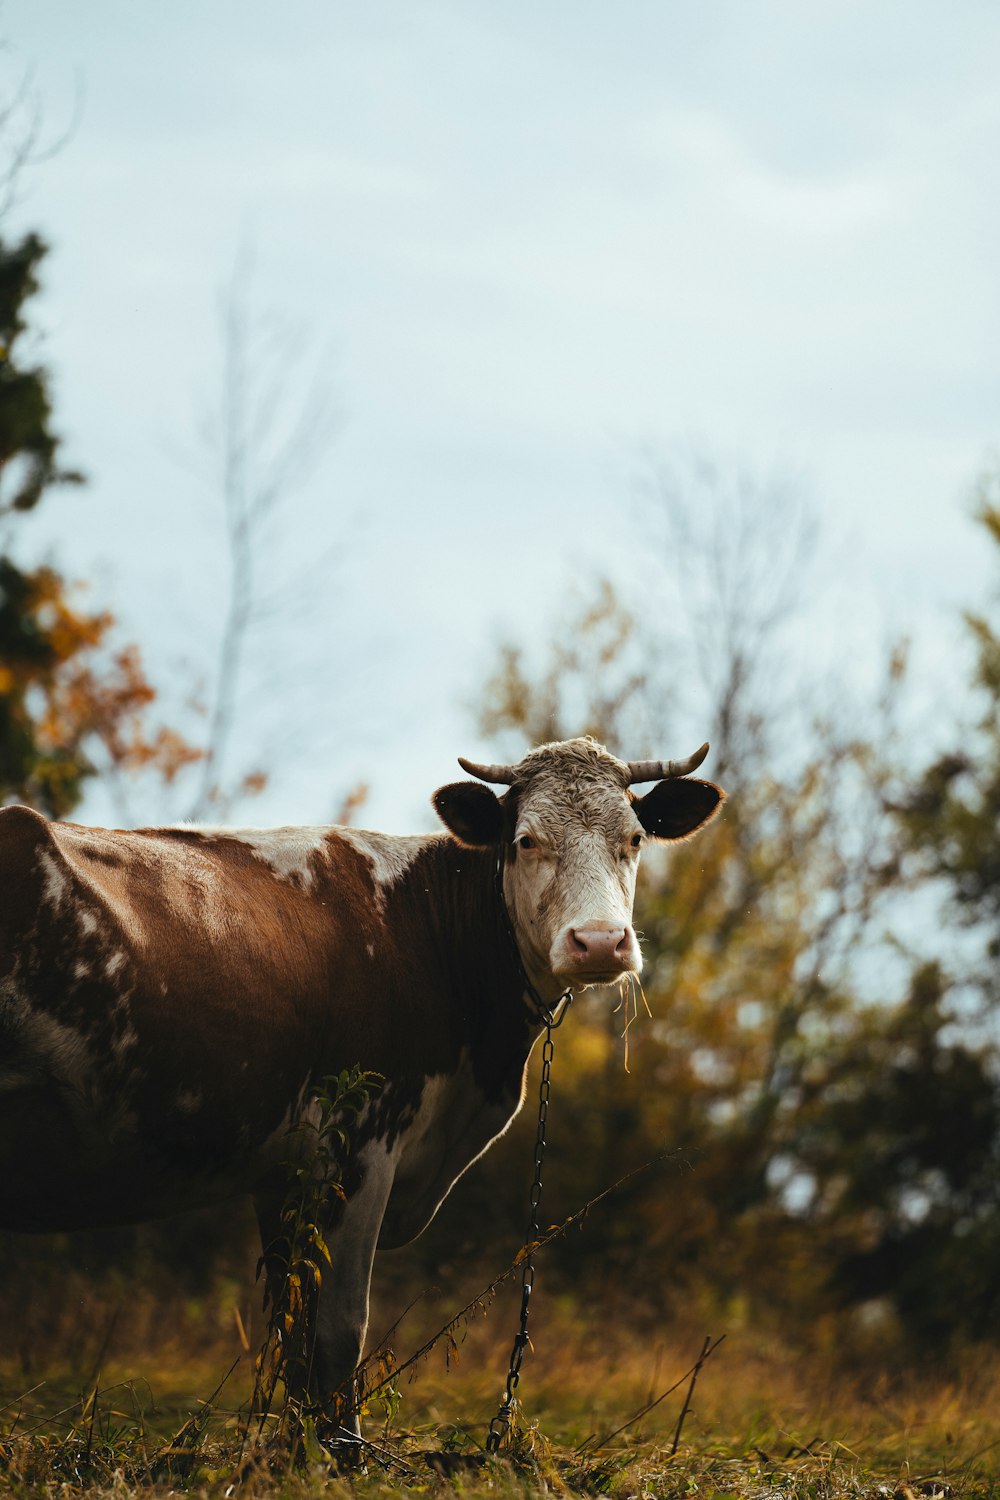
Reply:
x=674, y=809
x=471, y=812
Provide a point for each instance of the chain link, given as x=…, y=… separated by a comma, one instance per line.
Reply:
x=552, y=1017
x=502, y=1422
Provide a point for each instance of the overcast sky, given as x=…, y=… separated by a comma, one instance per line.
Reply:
x=525, y=242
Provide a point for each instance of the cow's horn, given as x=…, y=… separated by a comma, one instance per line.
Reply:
x=659, y=770
x=503, y=775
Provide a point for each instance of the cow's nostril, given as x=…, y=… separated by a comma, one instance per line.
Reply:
x=599, y=945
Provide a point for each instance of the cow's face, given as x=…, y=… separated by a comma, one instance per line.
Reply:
x=572, y=834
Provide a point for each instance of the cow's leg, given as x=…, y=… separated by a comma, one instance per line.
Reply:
x=342, y=1322
x=342, y=1313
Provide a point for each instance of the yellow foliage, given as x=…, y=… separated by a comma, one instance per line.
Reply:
x=64, y=694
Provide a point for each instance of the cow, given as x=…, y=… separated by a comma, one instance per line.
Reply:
x=171, y=997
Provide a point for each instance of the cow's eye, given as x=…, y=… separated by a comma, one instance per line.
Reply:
x=636, y=841
x=525, y=841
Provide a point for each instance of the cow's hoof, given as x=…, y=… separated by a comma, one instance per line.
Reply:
x=347, y=1450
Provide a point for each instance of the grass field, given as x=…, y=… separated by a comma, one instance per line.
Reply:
x=763, y=1418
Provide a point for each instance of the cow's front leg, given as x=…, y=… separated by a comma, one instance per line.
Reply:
x=341, y=1315
x=342, y=1322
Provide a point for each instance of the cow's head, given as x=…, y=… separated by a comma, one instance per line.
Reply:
x=571, y=831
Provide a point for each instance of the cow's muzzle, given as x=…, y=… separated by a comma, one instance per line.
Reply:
x=596, y=953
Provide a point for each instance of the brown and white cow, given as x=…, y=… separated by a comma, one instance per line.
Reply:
x=169, y=995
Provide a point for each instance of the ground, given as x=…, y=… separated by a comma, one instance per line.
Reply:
x=762, y=1419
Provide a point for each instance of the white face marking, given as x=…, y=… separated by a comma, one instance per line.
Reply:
x=390, y=855
x=574, y=870
x=113, y=964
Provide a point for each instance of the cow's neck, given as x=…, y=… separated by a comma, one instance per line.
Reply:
x=473, y=959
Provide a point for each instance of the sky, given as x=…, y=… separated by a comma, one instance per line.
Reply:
x=525, y=246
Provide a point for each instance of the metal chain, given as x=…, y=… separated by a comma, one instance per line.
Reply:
x=501, y=1424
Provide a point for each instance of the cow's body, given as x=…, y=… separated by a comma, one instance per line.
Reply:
x=169, y=997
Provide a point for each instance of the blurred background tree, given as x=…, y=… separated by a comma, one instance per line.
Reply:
x=902, y=1128
x=260, y=438
x=950, y=818
x=71, y=703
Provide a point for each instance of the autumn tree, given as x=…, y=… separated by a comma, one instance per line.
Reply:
x=950, y=817
x=897, y=1147
x=904, y=1147
x=72, y=702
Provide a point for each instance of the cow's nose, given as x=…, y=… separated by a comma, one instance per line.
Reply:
x=595, y=953
x=595, y=947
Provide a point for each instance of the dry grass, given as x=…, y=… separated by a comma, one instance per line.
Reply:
x=764, y=1420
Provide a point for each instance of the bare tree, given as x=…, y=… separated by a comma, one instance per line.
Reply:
x=735, y=557
x=265, y=438
x=256, y=446
x=729, y=567
x=23, y=138
x=592, y=681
